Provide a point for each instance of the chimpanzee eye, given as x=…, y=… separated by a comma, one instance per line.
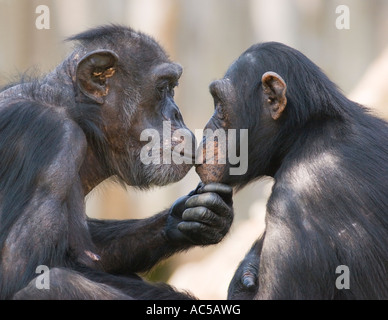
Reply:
x=162, y=90
x=166, y=88
x=171, y=90
x=220, y=111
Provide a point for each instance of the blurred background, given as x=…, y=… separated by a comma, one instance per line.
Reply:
x=205, y=36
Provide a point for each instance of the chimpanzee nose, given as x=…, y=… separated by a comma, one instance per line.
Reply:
x=172, y=113
x=176, y=115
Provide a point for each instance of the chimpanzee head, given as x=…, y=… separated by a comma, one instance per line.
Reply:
x=124, y=84
x=270, y=90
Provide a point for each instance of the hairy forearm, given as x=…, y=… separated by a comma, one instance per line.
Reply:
x=132, y=245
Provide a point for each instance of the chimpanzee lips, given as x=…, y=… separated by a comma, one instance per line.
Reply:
x=210, y=167
x=210, y=172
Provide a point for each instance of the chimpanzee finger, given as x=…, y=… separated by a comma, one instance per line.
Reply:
x=202, y=215
x=210, y=200
x=225, y=191
x=195, y=191
x=199, y=233
x=219, y=188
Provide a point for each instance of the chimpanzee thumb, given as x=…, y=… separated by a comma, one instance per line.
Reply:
x=174, y=218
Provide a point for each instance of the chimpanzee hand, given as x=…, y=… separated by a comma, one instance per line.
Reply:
x=245, y=283
x=202, y=217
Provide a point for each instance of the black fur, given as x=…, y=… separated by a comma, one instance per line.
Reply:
x=328, y=156
x=63, y=134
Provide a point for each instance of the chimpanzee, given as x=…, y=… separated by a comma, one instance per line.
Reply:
x=326, y=231
x=63, y=134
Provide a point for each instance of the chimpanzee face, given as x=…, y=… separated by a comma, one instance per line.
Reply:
x=148, y=142
x=247, y=104
x=214, y=160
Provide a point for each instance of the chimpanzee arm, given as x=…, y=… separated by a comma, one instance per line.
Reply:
x=46, y=222
x=127, y=246
x=203, y=217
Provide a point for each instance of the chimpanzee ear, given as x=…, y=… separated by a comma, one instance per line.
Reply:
x=274, y=91
x=93, y=72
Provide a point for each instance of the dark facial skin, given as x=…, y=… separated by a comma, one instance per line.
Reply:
x=223, y=117
x=255, y=106
x=146, y=99
x=231, y=112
